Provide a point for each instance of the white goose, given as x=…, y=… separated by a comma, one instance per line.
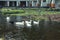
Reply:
x=19, y=23
x=28, y=23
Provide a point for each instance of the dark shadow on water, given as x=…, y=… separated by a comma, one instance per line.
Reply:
x=50, y=31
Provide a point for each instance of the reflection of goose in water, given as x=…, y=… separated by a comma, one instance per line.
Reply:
x=8, y=19
x=19, y=24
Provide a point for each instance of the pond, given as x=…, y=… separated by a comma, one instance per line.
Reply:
x=39, y=30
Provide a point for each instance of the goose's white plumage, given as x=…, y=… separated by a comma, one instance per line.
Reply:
x=28, y=23
x=19, y=23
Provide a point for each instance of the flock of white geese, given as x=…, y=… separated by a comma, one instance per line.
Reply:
x=28, y=23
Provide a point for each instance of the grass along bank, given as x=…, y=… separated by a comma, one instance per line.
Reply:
x=35, y=13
